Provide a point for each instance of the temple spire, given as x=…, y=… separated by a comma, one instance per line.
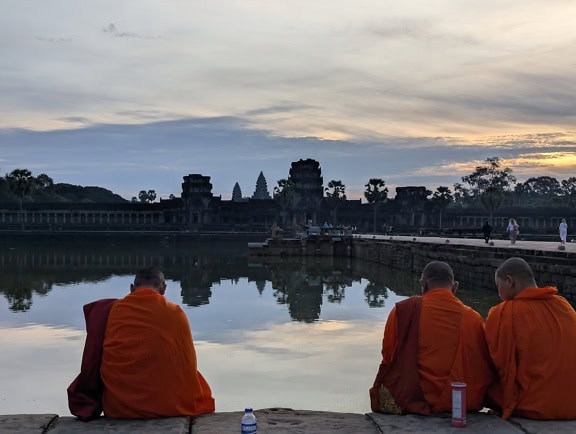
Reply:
x=261, y=191
x=236, y=193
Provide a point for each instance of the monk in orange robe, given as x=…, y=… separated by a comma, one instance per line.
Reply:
x=148, y=361
x=429, y=342
x=531, y=337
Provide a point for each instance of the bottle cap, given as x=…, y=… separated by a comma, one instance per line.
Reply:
x=248, y=410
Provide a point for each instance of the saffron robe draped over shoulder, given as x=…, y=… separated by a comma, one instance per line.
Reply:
x=532, y=341
x=451, y=347
x=149, y=366
x=396, y=388
x=85, y=392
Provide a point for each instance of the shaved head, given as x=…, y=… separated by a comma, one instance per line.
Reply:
x=512, y=277
x=518, y=268
x=436, y=275
x=149, y=277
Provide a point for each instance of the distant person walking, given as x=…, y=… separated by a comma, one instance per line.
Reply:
x=563, y=228
x=487, y=229
x=513, y=229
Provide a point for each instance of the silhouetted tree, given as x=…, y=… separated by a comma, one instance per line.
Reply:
x=376, y=194
x=442, y=198
x=335, y=195
x=569, y=191
x=21, y=183
x=539, y=191
x=147, y=196
x=285, y=195
x=488, y=184
x=44, y=182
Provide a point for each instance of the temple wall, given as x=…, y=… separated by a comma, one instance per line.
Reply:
x=476, y=264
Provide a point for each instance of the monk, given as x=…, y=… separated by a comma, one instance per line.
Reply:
x=429, y=342
x=531, y=337
x=143, y=347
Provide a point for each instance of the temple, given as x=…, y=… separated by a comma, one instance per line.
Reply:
x=301, y=202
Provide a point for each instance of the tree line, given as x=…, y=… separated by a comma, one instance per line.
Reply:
x=490, y=186
x=20, y=185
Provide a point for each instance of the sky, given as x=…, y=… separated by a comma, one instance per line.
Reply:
x=135, y=94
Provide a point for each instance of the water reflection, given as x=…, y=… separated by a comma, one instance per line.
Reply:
x=302, y=285
x=290, y=326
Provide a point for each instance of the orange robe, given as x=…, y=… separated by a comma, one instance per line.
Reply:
x=149, y=362
x=451, y=347
x=532, y=340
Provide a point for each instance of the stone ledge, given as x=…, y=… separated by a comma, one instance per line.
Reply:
x=282, y=421
x=26, y=423
x=544, y=426
x=171, y=425
x=287, y=421
x=476, y=423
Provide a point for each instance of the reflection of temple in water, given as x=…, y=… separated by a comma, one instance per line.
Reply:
x=302, y=284
x=31, y=267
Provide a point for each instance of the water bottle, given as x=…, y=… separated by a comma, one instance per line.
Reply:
x=248, y=422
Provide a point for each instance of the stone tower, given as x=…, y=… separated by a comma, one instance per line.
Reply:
x=236, y=193
x=308, y=182
x=261, y=191
x=197, y=196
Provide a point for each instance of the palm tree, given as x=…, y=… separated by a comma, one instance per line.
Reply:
x=285, y=195
x=21, y=183
x=336, y=195
x=376, y=194
x=441, y=199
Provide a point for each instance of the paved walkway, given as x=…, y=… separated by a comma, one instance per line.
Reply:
x=546, y=246
x=282, y=421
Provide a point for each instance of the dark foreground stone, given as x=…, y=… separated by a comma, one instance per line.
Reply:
x=282, y=421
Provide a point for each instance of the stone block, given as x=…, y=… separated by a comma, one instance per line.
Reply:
x=170, y=425
x=286, y=421
x=479, y=423
x=25, y=423
x=545, y=426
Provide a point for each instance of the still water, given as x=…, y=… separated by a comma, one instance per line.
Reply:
x=302, y=333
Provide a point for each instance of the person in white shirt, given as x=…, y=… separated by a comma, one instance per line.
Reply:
x=563, y=228
x=512, y=230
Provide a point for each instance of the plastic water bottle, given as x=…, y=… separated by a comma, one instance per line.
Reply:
x=248, y=422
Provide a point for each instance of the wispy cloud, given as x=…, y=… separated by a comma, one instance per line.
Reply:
x=112, y=30
x=50, y=39
x=400, y=90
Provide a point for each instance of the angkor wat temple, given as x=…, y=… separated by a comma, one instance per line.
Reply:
x=198, y=210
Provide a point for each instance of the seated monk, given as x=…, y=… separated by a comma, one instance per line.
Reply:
x=531, y=337
x=429, y=342
x=139, y=360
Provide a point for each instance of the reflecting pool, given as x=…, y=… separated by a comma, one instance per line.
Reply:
x=302, y=333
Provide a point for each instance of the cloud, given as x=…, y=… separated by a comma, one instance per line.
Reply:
x=53, y=40
x=280, y=108
x=126, y=158
x=398, y=90
x=420, y=30
x=76, y=119
x=112, y=29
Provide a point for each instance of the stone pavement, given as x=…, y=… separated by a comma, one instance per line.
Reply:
x=544, y=246
x=282, y=421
